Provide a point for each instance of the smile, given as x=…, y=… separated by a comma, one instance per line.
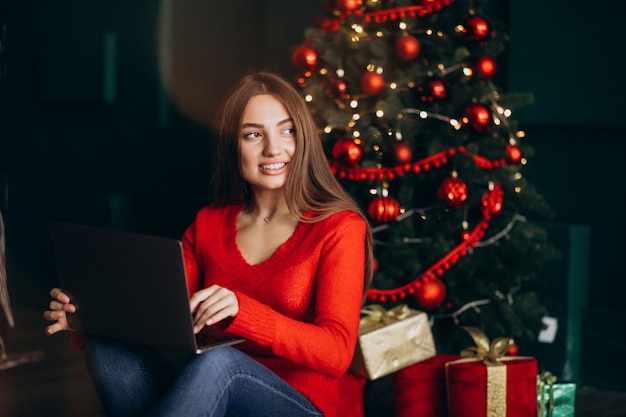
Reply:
x=277, y=165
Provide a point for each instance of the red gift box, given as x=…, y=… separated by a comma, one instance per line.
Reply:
x=508, y=389
x=420, y=389
x=351, y=395
x=487, y=384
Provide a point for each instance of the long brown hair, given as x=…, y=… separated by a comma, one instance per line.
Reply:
x=310, y=185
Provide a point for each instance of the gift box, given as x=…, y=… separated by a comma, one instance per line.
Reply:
x=555, y=398
x=420, y=389
x=351, y=395
x=485, y=383
x=391, y=340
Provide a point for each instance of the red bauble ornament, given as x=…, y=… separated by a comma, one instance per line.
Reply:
x=372, y=83
x=514, y=153
x=304, y=58
x=492, y=201
x=407, y=47
x=338, y=88
x=477, y=28
x=431, y=294
x=486, y=66
x=375, y=265
x=348, y=5
x=384, y=209
x=478, y=116
x=452, y=192
x=512, y=351
x=347, y=152
x=434, y=89
x=400, y=152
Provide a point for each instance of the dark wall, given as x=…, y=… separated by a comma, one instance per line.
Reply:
x=566, y=54
x=68, y=141
x=132, y=148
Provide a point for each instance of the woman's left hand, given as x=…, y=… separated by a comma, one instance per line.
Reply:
x=212, y=305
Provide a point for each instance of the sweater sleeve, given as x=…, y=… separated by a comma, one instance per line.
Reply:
x=192, y=267
x=325, y=344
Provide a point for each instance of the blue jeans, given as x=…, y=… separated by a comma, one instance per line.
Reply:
x=134, y=380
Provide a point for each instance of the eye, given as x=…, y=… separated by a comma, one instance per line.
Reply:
x=289, y=131
x=252, y=135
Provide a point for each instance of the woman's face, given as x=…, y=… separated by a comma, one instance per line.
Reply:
x=267, y=143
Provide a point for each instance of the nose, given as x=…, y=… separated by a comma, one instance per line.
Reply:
x=271, y=145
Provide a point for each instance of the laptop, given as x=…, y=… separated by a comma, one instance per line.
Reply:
x=129, y=286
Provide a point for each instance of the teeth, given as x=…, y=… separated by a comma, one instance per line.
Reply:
x=274, y=166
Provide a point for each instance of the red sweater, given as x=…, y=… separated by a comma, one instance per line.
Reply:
x=299, y=309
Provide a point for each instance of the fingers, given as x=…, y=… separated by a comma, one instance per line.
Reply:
x=54, y=315
x=212, y=305
x=69, y=308
x=59, y=295
x=61, y=321
x=59, y=307
x=54, y=328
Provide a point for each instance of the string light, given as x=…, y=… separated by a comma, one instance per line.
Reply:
x=357, y=28
x=473, y=305
x=516, y=218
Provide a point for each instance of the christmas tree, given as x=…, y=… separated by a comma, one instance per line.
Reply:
x=418, y=133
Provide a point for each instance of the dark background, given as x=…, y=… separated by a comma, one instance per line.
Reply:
x=107, y=107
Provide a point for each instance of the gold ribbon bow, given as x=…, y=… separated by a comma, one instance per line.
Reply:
x=488, y=353
x=375, y=314
x=545, y=378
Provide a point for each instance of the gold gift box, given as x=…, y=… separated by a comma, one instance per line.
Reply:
x=391, y=340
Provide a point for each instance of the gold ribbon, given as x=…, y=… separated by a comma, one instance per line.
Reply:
x=375, y=314
x=545, y=378
x=490, y=354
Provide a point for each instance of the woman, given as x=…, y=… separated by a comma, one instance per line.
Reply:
x=282, y=258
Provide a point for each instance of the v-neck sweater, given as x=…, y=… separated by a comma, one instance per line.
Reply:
x=299, y=309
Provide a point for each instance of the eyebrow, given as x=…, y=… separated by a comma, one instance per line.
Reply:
x=257, y=125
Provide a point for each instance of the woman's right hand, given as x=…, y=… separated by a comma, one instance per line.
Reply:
x=60, y=306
